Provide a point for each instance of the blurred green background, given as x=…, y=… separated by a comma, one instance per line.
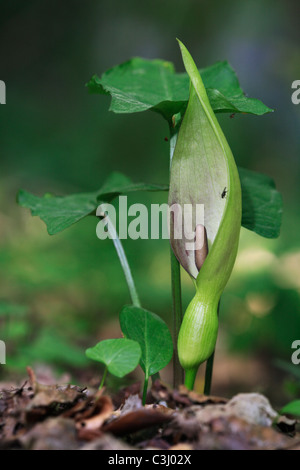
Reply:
x=59, y=295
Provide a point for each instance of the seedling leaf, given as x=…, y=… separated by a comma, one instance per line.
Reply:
x=121, y=356
x=152, y=334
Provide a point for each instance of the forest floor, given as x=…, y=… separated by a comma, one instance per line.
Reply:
x=36, y=416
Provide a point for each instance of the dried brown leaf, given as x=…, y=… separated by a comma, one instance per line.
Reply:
x=122, y=395
x=102, y=410
x=135, y=421
x=200, y=398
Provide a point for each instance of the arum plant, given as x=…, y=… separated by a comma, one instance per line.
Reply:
x=204, y=172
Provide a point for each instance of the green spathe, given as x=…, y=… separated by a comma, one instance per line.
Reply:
x=202, y=168
x=200, y=327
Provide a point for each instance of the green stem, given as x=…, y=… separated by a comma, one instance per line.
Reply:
x=178, y=375
x=190, y=377
x=124, y=262
x=209, y=369
x=128, y=276
x=208, y=374
x=129, y=279
x=103, y=378
x=145, y=389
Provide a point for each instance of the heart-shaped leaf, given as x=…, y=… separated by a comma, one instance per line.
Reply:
x=139, y=84
x=60, y=212
x=121, y=356
x=261, y=203
x=152, y=334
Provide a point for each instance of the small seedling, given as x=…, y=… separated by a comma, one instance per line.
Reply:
x=120, y=356
x=153, y=336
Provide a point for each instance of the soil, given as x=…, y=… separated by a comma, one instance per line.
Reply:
x=66, y=417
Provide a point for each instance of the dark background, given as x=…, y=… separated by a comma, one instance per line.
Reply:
x=64, y=293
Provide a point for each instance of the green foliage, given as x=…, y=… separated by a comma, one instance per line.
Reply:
x=59, y=213
x=139, y=84
x=292, y=408
x=52, y=348
x=136, y=86
x=152, y=334
x=261, y=203
x=16, y=330
x=121, y=356
x=12, y=310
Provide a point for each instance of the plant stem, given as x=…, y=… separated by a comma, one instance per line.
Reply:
x=178, y=375
x=124, y=262
x=103, y=378
x=209, y=368
x=190, y=377
x=208, y=374
x=130, y=282
x=145, y=389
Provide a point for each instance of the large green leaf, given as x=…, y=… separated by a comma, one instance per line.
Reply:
x=152, y=334
x=140, y=84
x=60, y=212
x=121, y=356
x=261, y=203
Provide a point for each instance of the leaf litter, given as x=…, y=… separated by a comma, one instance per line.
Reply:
x=53, y=417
